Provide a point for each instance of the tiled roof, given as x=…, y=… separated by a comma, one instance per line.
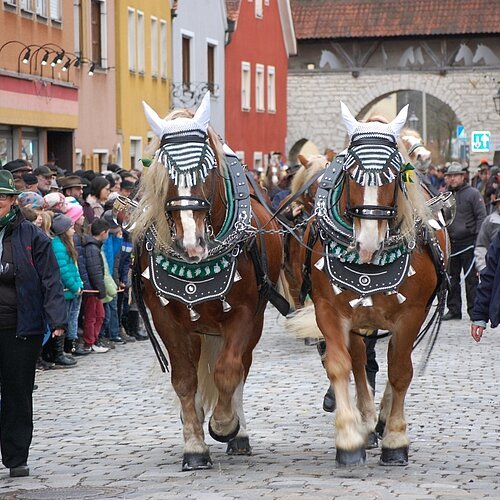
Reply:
x=382, y=18
x=233, y=9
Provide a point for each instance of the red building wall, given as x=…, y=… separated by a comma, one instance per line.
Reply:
x=257, y=41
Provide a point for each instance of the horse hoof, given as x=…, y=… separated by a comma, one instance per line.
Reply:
x=223, y=439
x=239, y=446
x=350, y=457
x=196, y=461
x=371, y=441
x=394, y=456
x=380, y=428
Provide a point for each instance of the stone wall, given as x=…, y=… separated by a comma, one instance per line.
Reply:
x=314, y=110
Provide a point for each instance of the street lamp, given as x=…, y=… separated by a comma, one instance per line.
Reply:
x=496, y=101
x=413, y=120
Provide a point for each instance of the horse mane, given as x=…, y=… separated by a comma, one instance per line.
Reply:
x=315, y=163
x=155, y=184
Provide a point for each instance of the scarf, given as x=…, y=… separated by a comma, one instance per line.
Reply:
x=4, y=222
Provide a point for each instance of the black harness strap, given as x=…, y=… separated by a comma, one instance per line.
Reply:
x=137, y=287
x=306, y=286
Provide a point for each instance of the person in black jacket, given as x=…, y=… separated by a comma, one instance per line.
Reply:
x=487, y=302
x=31, y=297
x=93, y=285
x=463, y=233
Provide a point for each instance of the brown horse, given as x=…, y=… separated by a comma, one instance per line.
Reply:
x=205, y=273
x=380, y=267
x=311, y=167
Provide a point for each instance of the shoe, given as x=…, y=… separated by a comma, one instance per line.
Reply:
x=127, y=338
x=117, y=340
x=65, y=361
x=44, y=365
x=105, y=342
x=87, y=348
x=140, y=336
x=20, y=471
x=449, y=315
x=329, y=403
x=81, y=350
x=99, y=349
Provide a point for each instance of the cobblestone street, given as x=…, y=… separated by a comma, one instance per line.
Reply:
x=110, y=429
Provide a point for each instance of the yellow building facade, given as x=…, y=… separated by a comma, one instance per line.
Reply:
x=143, y=70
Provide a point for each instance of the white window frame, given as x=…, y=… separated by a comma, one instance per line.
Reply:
x=260, y=105
x=26, y=6
x=136, y=139
x=76, y=26
x=271, y=89
x=189, y=34
x=241, y=156
x=246, y=86
x=154, y=46
x=12, y=3
x=140, y=43
x=266, y=3
x=132, y=39
x=55, y=11
x=78, y=158
x=215, y=44
x=163, y=49
x=259, y=11
x=103, y=155
x=258, y=163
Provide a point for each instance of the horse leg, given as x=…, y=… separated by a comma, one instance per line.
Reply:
x=350, y=432
x=364, y=391
x=229, y=372
x=395, y=443
x=385, y=410
x=240, y=444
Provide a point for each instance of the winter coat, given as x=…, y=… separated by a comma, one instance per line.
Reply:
x=39, y=290
x=487, y=299
x=470, y=214
x=487, y=233
x=70, y=276
x=91, y=249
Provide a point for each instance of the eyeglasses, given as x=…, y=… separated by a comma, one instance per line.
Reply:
x=3, y=196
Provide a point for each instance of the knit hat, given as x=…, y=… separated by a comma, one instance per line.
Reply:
x=55, y=200
x=73, y=209
x=60, y=224
x=30, y=179
x=31, y=199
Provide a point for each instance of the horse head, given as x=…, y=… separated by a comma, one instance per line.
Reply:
x=372, y=165
x=181, y=179
x=310, y=166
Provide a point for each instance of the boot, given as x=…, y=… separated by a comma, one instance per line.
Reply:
x=78, y=349
x=60, y=358
x=133, y=326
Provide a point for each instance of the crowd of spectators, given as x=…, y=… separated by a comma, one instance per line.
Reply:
x=92, y=250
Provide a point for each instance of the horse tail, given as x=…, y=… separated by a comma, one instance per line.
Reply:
x=284, y=289
x=207, y=391
x=303, y=323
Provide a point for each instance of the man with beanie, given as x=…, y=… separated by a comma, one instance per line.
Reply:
x=463, y=233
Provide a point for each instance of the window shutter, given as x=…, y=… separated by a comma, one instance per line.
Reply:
x=55, y=10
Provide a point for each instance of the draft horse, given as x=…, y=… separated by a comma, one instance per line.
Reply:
x=206, y=274
x=375, y=263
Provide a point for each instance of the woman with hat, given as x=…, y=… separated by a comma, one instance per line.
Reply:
x=31, y=297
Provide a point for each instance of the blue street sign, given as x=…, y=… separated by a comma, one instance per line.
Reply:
x=480, y=141
x=461, y=133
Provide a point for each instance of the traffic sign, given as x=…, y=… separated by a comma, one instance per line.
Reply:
x=461, y=135
x=480, y=141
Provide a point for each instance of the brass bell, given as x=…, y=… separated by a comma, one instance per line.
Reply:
x=193, y=315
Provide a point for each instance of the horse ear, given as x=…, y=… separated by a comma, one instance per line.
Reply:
x=202, y=115
x=155, y=122
x=302, y=160
x=399, y=122
x=349, y=121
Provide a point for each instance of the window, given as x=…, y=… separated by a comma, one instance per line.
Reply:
x=154, y=46
x=5, y=144
x=186, y=61
x=96, y=30
x=257, y=161
x=241, y=156
x=26, y=5
x=41, y=8
x=135, y=151
x=259, y=87
x=11, y=2
x=140, y=42
x=131, y=39
x=163, y=48
x=55, y=10
x=258, y=9
x=271, y=89
x=211, y=68
x=245, y=86
x=78, y=159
